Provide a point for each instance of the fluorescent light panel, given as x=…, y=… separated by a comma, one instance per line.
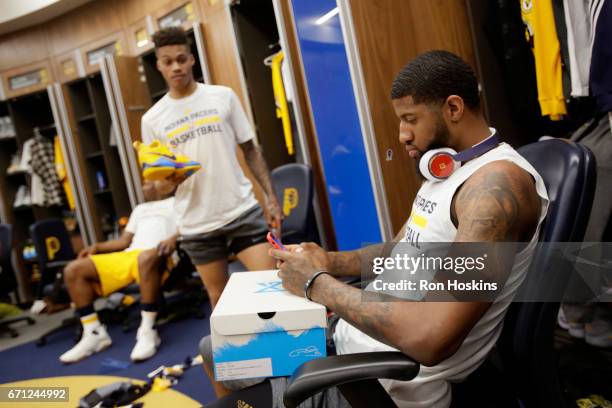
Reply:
x=327, y=16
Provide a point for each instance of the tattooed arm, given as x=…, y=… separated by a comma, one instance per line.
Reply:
x=349, y=263
x=256, y=162
x=498, y=203
x=486, y=209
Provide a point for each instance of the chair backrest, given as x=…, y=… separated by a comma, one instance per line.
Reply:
x=52, y=242
x=8, y=281
x=294, y=189
x=526, y=343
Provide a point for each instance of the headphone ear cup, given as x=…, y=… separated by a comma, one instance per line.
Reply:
x=424, y=165
x=438, y=164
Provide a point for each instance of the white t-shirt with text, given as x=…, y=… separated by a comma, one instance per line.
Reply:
x=205, y=126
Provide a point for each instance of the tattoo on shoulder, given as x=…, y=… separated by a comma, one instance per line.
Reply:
x=489, y=210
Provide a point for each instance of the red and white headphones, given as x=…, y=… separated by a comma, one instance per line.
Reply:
x=439, y=164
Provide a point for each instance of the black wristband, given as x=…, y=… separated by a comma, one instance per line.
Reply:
x=310, y=282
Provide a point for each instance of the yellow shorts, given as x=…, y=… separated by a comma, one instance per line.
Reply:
x=116, y=270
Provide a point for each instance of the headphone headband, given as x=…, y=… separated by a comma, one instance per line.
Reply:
x=439, y=164
x=478, y=149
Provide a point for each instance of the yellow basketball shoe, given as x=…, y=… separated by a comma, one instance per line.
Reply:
x=156, y=160
x=185, y=166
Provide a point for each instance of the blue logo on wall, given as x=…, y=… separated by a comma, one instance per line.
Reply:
x=275, y=286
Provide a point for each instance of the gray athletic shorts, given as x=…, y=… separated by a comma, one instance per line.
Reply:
x=245, y=231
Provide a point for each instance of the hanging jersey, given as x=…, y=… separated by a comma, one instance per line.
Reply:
x=430, y=221
x=541, y=33
x=282, y=110
x=601, y=68
x=578, y=25
x=62, y=175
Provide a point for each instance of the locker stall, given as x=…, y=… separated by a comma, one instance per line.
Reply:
x=257, y=41
x=30, y=190
x=96, y=146
x=337, y=122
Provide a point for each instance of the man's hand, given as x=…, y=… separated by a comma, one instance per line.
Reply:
x=167, y=246
x=87, y=251
x=298, y=264
x=170, y=183
x=274, y=215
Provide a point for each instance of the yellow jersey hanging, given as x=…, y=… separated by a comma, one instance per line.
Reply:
x=282, y=109
x=541, y=33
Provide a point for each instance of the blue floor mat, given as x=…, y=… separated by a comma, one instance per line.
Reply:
x=179, y=340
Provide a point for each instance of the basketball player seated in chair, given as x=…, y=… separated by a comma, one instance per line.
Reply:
x=476, y=190
x=140, y=255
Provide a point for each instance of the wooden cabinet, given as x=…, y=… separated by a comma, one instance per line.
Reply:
x=395, y=31
x=171, y=14
x=27, y=79
x=24, y=198
x=139, y=35
x=97, y=150
x=69, y=66
x=113, y=44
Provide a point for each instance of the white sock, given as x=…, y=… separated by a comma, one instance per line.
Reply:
x=147, y=319
x=90, y=323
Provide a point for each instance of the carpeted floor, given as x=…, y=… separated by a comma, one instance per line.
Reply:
x=179, y=340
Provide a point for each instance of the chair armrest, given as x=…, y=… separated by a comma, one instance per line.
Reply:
x=57, y=264
x=317, y=375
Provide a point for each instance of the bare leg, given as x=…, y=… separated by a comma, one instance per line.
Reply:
x=150, y=271
x=214, y=276
x=256, y=257
x=82, y=279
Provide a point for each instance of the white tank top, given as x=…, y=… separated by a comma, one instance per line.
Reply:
x=430, y=221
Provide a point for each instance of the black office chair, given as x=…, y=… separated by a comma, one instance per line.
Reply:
x=8, y=283
x=525, y=366
x=54, y=251
x=526, y=344
x=182, y=294
x=294, y=188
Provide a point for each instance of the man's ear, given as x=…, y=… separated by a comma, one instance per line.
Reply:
x=157, y=65
x=454, y=108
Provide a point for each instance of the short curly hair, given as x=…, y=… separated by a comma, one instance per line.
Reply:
x=170, y=36
x=435, y=75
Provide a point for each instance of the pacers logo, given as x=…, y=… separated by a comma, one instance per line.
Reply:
x=290, y=200
x=53, y=246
